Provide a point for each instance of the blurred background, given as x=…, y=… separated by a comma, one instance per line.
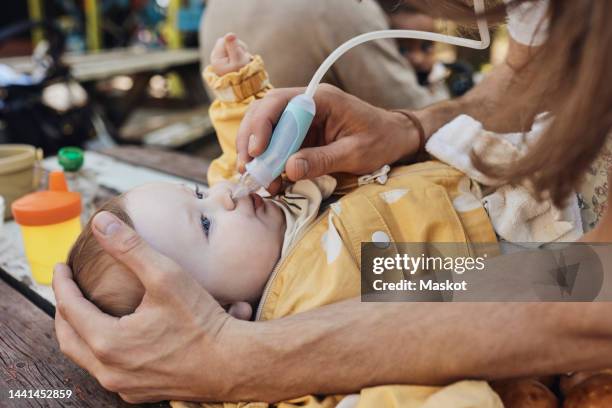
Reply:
x=102, y=73
x=97, y=73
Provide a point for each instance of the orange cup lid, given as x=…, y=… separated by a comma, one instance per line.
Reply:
x=47, y=207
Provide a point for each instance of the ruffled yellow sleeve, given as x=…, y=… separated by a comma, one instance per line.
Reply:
x=234, y=93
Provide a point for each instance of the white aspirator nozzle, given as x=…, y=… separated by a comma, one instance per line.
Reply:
x=246, y=185
x=295, y=121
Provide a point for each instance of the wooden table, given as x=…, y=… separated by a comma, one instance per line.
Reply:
x=30, y=358
x=107, y=64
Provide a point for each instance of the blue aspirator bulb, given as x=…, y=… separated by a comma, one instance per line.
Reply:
x=287, y=138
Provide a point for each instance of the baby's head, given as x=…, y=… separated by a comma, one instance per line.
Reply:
x=229, y=246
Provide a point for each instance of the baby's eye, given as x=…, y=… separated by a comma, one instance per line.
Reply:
x=205, y=221
x=199, y=193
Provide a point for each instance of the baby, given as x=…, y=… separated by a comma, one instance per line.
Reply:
x=215, y=238
x=229, y=245
x=232, y=245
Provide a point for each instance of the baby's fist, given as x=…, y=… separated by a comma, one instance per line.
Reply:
x=229, y=55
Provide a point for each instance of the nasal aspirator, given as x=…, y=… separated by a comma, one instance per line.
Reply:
x=293, y=125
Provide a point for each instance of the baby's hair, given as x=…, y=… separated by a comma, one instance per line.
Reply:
x=103, y=280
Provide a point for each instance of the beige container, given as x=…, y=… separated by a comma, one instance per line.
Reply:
x=19, y=173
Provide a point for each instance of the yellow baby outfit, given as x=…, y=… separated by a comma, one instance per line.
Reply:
x=425, y=202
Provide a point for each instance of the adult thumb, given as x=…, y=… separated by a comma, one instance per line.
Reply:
x=316, y=161
x=153, y=269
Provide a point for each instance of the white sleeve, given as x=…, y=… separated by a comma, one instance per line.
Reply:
x=528, y=23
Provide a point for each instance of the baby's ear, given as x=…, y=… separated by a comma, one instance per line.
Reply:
x=241, y=310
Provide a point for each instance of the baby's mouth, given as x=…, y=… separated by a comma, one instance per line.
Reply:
x=257, y=200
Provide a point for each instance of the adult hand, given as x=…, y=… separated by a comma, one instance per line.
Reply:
x=174, y=346
x=347, y=134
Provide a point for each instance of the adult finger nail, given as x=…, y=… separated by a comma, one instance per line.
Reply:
x=251, y=146
x=106, y=223
x=302, y=167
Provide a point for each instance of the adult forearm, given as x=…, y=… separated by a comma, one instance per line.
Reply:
x=344, y=347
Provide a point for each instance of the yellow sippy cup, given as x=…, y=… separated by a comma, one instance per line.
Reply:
x=50, y=223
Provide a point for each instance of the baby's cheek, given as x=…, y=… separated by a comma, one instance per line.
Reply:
x=218, y=278
x=237, y=279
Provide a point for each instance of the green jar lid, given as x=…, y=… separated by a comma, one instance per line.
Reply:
x=70, y=158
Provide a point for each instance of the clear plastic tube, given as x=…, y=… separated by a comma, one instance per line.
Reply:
x=485, y=41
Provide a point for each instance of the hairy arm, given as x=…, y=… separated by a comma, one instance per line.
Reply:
x=351, y=345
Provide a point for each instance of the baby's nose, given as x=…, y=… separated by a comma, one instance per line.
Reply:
x=226, y=200
x=222, y=194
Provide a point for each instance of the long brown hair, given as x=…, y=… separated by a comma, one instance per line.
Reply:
x=569, y=77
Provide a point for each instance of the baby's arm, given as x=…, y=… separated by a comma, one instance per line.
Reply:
x=237, y=78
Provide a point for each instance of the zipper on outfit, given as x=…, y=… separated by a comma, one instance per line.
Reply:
x=282, y=262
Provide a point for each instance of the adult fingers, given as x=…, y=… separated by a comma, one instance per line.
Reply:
x=80, y=313
x=148, y=396
x=79, y=352
x=158, y=274
x=256, y=126
x=133, y=398
x=73, y=346
x=316, y=161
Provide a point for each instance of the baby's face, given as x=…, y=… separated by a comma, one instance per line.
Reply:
x=230, y=246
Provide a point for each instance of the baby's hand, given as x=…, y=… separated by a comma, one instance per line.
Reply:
x=229, y=55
